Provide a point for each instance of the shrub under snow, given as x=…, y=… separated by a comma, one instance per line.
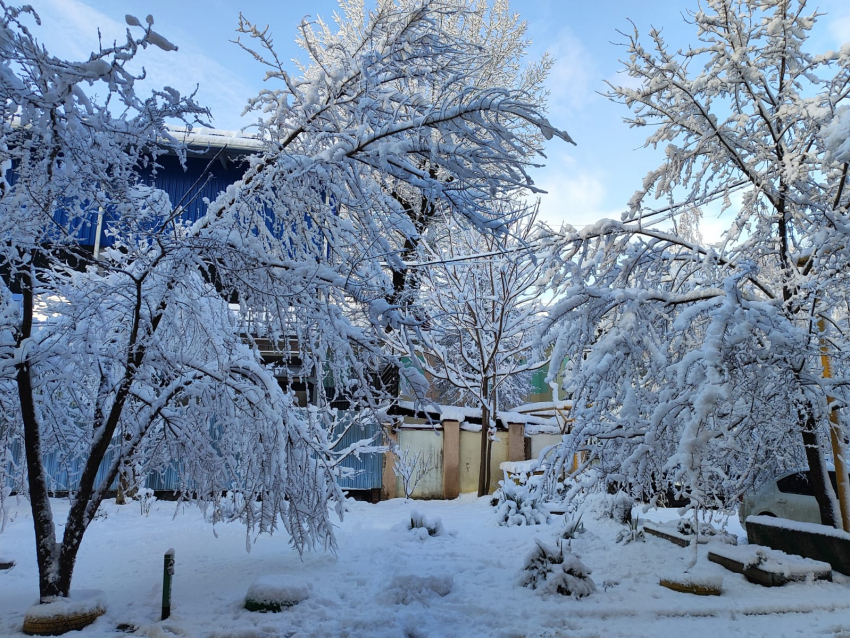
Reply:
x=425, y=527
x=572, y=528
x=620, y=508
x=520, y=505
x=556, y=570
x=407, y=588
x=275, y=592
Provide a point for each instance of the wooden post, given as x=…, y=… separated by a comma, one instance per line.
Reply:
x=451, y=459
x=516, y=441
x=388, y=477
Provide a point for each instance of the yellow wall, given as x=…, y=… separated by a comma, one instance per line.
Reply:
x=541, y=441
x=431, y=441
x=470, y=457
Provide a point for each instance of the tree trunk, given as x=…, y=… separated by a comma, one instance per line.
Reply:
x=821, y=484
x=46, y=549
x=127, y=481
x=484, y=465
x=56, y=561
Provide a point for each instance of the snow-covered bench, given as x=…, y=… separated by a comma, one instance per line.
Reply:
x=818, y=542
x=768, y=567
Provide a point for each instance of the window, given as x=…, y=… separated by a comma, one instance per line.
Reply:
x=801, y=484
x=796, y=484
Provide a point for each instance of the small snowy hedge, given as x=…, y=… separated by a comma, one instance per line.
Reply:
x=572, y=528
x=633, y=531
x=686, y=527
x=425, y=527
x=556, y=570
x=407, y=588
x=520, y=505
x=275, y=592
x=619, y=508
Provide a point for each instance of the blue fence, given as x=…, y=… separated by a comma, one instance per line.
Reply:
x=369, y=466
x=63, y=474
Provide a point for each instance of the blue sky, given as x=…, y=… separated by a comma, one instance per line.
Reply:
x=592, y=180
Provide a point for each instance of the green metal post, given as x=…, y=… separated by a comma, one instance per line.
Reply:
x=167, y=575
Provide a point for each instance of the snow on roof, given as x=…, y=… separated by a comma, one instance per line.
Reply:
x=200, y=137
x=541, y=406
x=469, y=416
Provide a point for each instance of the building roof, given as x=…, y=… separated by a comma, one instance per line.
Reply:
x=198, y=138
x=469, y=417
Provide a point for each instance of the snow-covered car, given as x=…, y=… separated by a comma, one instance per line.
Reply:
x=787, y=496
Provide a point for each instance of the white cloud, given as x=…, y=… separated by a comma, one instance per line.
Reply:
x=715, y=220
x=839, y=28
x=69, y=29
x=573, y=196
x=621, y=78
x=572, y=76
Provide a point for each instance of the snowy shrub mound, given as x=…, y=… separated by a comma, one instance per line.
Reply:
x=686, y=527
x=146, y=499
x=275, y=592
x=633, y=531
x=619, y=508
x=520, y=505
x=556, y=570
x=424, y=527
x=572, y=528
x=407, y=588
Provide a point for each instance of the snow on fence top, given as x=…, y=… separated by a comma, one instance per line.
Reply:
x=470, y=418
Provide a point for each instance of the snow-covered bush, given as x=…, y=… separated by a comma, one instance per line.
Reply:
x=633, y=531
x=276, y=592
x=425, y=527
x=556, y=570
x=572, y=528
x=146, y=499
x=687, y=527
x=619, y=508
x=520, y=505
x=407, y=588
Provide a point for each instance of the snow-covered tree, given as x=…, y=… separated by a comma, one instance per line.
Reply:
x=411, y=467
x=480, y=296
x=133, y=358
x=700, y=364
x=490, y=56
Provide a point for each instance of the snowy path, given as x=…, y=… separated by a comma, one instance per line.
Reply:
x=352, y=596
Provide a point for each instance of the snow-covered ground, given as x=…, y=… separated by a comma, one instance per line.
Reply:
x=368, y=590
